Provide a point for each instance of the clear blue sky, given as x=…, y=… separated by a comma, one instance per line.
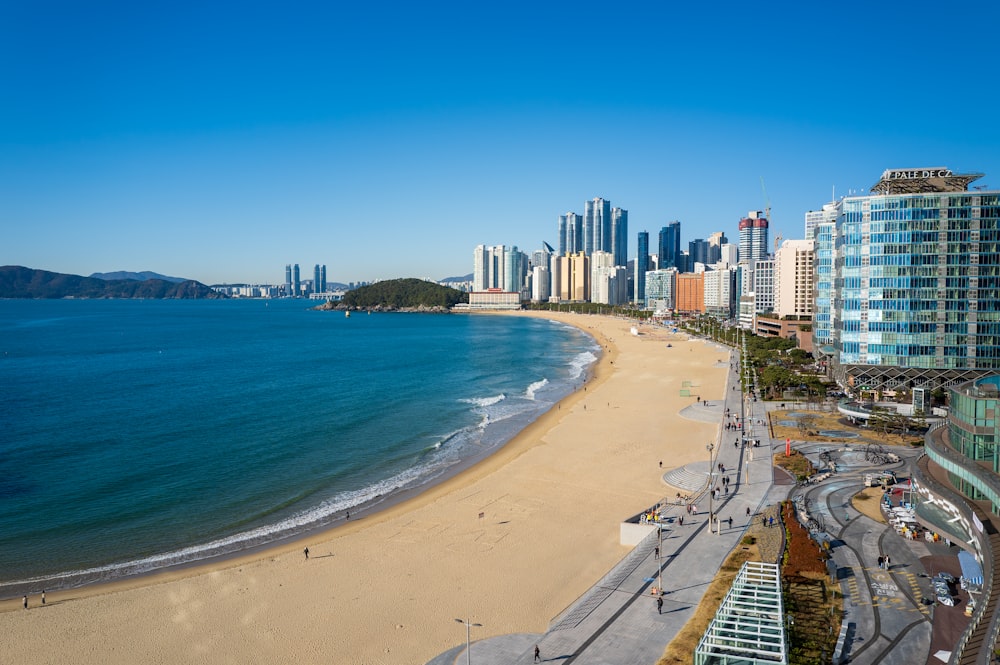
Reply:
x=387, y=140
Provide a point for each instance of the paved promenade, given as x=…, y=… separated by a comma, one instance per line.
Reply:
x=617, y=621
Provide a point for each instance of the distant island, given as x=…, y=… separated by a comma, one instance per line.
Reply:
x=398, y=295
x=21, y=282
x=141, y=276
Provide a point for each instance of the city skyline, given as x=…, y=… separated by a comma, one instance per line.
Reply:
x=216, y=145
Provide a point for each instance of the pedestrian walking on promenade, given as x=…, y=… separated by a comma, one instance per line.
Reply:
x=656, y=551
x=538, y=654
x=659, y=605
x=748, y=511
x=730, y=521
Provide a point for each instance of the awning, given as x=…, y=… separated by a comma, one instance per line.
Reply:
x=971, y=570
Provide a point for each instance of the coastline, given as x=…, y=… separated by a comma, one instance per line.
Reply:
x=364, y=575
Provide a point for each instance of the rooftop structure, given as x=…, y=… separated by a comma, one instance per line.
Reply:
x=917, y=181
x=749, y=628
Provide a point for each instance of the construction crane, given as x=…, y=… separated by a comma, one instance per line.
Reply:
x=767, y=214
x=767, y=201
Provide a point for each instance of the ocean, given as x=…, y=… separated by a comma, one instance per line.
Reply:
x=137, y=435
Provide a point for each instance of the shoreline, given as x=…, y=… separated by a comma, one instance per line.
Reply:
x=291, y=542
x=125, y=573
x=537, y=518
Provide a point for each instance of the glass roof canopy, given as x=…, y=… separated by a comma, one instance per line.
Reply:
x=749, y=628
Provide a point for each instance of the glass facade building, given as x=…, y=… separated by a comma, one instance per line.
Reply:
x=641, y=267
x=908, y=283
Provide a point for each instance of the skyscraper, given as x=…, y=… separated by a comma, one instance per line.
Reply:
x=317, y=280
x=296, y=284
x=641, y=267
x=700, y=252
x=288, y=279
x=619, y=236
x=669, y=248
x=596, y=226
x=910, y=276
x=570, y=233
x=753, y=237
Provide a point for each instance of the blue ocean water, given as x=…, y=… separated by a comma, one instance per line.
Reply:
x=141, y=434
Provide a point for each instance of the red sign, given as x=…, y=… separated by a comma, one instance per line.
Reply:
x=788, y=447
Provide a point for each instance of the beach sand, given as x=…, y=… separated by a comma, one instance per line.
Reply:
x=509, y=543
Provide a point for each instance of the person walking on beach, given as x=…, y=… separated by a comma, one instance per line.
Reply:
x=306, y=552
x=25, y=600
x=659, y=605
x=43, y=596
x=538, y=654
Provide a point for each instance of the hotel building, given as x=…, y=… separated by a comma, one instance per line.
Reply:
x=913, y=282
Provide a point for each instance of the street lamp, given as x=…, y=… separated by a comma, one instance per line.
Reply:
x=468, y=643
x=711, y=473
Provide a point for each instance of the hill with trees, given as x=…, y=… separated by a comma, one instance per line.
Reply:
x=401, y=294
x=21, y=282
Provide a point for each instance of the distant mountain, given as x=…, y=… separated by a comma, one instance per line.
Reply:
x=21, y=282
x=139, y=276
x=464, y=278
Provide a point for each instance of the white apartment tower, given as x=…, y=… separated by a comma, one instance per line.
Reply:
x=793, y=278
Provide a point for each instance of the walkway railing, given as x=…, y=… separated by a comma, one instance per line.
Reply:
x=978, y=641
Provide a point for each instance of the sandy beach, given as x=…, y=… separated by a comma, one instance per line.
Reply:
x=509, y=543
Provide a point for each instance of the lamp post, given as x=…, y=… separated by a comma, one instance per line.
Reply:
x=711, y=475
x=468, y=642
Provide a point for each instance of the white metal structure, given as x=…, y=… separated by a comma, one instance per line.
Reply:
x=749, y=628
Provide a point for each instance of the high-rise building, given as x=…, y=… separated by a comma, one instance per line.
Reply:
x=317, y=281
x=660, y=287
x=753, y=237
x=322, y=277
x=541, y=282
x=489, y=266
x=570, y=233
x=288, y=279
x=596, y=226
x=715, y=242
x=793, y=279
x=720, y=292
x=689, y=292
x=816, y=217
x=700, y=251
x=571, y=276
x=515, y=270
x=914, y=282
x=296, y=284
x=762, y=276
x=669, y=247
x=619, y=236
x=641, y=267
x=823, y=312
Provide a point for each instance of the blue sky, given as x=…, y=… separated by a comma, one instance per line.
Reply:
x=220, y=142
